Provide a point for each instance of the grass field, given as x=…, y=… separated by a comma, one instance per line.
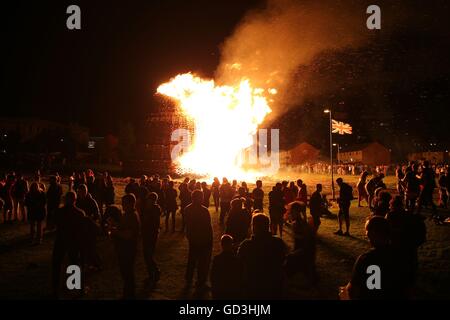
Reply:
x=25, y=270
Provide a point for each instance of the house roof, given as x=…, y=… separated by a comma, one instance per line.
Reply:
x=303, y=143
x=358, y=147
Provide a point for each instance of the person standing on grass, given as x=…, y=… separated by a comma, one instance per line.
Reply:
x=6, y=195
x=226, y=272
x=86, y=202
x=226, y=193
x=238, y=222
x=262, y=259
x=344, y=200
x=89, y=206
x=393, y=284
x=109, y=191
x=258, y=196
x=428, y=184
x=70, y=229
x=133, y=187
x=125, y=238
x=150, y=221
x=316, y=206
x=371, y=186
x=276, y=209
x=172, y=206
x=54, y=194
x=412, y=188
x=361, y=186
x=35, y=202
x=408, y=233
x=290, y=193
x=200, y=238
x=206, y=194
x=185, y=200
x=304, y=256
x=215, y=192
x=443, y=191
x=399, y=174
x=19, y=191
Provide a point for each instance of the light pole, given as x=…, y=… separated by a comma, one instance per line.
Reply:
x=331, y=153
x=338, y=147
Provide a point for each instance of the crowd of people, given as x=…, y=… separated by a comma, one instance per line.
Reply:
x=255, y=261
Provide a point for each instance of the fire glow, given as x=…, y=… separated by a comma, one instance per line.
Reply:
x=225, y=118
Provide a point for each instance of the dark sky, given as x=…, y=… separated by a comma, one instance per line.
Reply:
x=108, y=71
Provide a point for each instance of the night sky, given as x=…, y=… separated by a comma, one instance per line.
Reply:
x=107, y=72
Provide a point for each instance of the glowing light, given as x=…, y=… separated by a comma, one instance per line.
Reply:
x=225, y=118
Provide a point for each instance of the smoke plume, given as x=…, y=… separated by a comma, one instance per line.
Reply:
x=270, y=44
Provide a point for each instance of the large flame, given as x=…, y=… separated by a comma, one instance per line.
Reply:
x=225, y=118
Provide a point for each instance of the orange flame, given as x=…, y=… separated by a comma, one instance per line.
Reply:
x=225, y=118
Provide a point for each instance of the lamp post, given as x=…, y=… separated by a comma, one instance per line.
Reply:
x=338, y=148
x=331, y=153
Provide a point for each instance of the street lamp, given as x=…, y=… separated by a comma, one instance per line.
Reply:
x=331, y=152
x=338, y=149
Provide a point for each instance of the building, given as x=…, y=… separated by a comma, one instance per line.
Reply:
x=372, y=154
x=299, y=154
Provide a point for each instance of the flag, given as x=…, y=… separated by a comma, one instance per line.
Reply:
x=341, y=127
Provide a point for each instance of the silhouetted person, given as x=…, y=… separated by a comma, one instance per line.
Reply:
x=110, y=194
x=303, y=258
x=150, y=221
x=215, y=193
x=316, y=206
x=132, y=187
x=302, y=192
x=90, y=208
x=258, y=196
x=70, y=227
x=171, y=203
x=262, y=259
x=408, y=233
x=344, y=200
x=381, y=205
x=428, y=183
x=6, y=194
x=54, y=194
x=373, y=184
x=399, y=174
x=238, y=222
x=91, y=183
x=361, y=186
x=226, y=192
x=86, y=202
x=206, y=194
x=226, y=272
x=200, y=237
x=35, y=201
x=290, y=193
x=100, y=191
x=276, y=209
x=443, y=191
x=18, y=192
x=391, y=284
x=125, y=238
x=185, y=200
x=412, y=189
